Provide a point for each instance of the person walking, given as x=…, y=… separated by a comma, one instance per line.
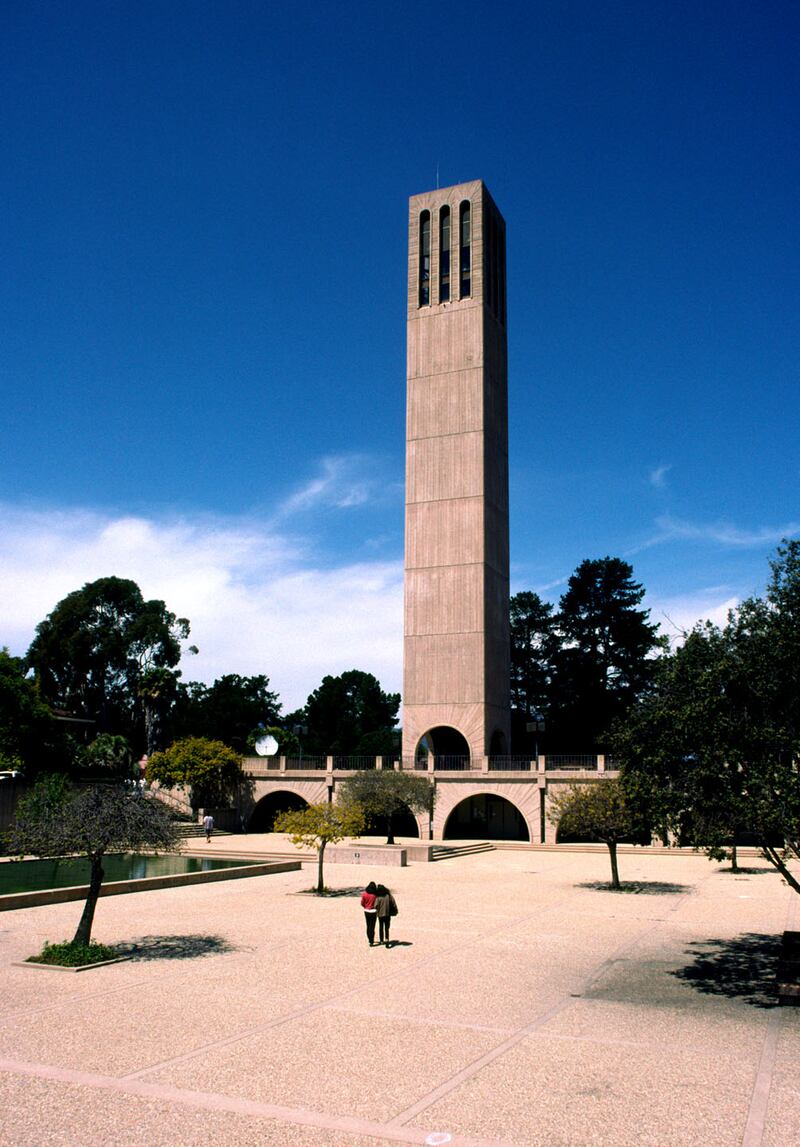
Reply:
x=386, y=907
x=368, y=898
x=208, y=825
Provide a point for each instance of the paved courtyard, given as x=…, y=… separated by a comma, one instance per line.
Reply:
x=520, y=1005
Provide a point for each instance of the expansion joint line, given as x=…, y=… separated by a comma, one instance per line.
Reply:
x=759, y=1104
x=332, y=1001
x=522, y=1033
x=235, y=1105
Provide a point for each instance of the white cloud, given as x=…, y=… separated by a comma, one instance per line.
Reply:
x=678, y=614
x=254, y=602
x=345, y=481
x=658, y=476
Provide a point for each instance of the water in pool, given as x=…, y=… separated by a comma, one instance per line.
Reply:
x=36, y=875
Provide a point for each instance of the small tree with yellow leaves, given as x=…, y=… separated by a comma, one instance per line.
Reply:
x=320, y=825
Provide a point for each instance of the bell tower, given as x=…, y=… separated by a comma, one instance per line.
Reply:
x=456, y=642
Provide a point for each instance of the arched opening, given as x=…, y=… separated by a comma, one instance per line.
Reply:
x=486, y=817
x=404, y=823
x=465, y=248
x=498, y=746
x=262, y=818
x=425, y=258
x=444, y=255
x=446, y=745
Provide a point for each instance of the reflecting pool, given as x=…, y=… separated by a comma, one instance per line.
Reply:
x=37, y=875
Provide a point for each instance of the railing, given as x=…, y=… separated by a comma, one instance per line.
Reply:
x=265, y=765
x=457, y=764
x=181, y=805
x=574, y=761
x=357, y=763
x=446, y=763
x=511, y=764
x=305, y=763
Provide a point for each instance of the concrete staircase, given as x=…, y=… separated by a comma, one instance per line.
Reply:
x=190, y=830
x=453, y=851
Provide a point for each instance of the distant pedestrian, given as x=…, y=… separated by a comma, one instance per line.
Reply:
x=208, y=825
x=368, y=897
x=386, y=907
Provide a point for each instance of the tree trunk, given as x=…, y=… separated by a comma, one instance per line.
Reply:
x=152, y=730
x=320, y=882
x=612, y=849
x=390, y=833
x=84, y=930
x=776, y=860
x=734, y=855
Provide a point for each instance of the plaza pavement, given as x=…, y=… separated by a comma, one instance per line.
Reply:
x=521, y=1005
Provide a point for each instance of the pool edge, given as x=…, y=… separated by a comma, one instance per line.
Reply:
x=13, y=900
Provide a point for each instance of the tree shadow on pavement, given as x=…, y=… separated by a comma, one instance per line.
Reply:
x=633, y=887
x=190, y=947
x=728, y=871
x=744, y=968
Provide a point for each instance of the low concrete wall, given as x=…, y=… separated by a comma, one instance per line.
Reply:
x=419, y=853
x=120, y=887
x=396, y=857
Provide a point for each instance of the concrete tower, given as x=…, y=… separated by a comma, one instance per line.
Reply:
x=456, y=654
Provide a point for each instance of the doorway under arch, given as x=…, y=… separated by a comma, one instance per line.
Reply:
x=448, y=747
x=404, y=823
x=486, y=816
x=262, y=818
x=498, y=746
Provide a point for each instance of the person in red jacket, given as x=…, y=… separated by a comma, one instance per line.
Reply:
x=368, y=898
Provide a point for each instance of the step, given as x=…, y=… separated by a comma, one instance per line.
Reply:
x=188, y=831
x=450, y=852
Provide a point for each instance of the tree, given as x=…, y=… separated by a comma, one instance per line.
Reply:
x=605, y=657
x=597, y=810
x=320, y=825
x=386, y=792
x=230, y=710
x=54, y=820
x=210, y=770
x=157, y=692
x=108, y=757
x=675, y=746
x=716, y=745
x=31, y=740
x=531, y=631
x=344, y=714
x=91, y=653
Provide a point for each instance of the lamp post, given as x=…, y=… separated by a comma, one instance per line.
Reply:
x=300, y=731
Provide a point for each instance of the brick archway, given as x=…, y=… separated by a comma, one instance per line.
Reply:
x=524, y=798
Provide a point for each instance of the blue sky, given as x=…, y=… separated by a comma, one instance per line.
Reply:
x=202, y=311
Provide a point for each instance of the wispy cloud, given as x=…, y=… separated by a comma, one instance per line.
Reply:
x=255, y=603
x=344, y=481
x=658, y=476
x=554, y=584
x=721, y=533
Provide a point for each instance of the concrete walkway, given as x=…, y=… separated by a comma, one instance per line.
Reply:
x=520, y=1005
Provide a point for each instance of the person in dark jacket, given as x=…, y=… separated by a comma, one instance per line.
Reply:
x=386, y=907
x=368, y=898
